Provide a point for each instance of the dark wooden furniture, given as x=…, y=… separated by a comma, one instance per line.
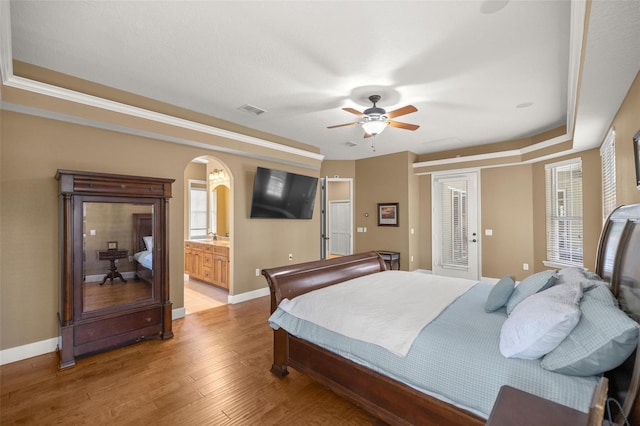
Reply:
x=396, y=403
x=112, y=256
x=515, y=407
x=518, y=408
x=142, y=227
x=83, y=330
x=391, y=258
x=208, y=262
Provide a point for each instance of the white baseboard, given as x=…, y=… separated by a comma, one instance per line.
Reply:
x=30, y=350
x=178, y=313
x=249, y=295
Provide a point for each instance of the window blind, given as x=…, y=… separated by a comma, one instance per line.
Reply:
x=454, y=224
x=563, y=184
x=608, y=156
x=197, y=212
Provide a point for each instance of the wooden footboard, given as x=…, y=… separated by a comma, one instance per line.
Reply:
x=387, y=399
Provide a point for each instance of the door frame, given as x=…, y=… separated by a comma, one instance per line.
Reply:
x=436, y=223
x=325, y=183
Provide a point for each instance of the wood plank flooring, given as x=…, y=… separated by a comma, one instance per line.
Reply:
x=215, y=371
x=200, y=296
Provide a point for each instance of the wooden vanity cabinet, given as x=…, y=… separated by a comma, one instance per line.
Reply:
x=97, y=212
x=207, y=262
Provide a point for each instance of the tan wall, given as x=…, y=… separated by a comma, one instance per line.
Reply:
x=626, y=125
x=424, y=219
x=506, y=209
x=34, y=148
x=383, y=179
x=338, y=168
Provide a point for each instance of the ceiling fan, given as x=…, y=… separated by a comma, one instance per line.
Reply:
x=374, y=120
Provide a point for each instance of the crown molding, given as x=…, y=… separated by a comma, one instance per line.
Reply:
x=577, y=27
x=10, y=80
x=576, y=40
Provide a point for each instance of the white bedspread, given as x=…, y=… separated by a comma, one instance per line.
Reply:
x=388, y=309
x=145, y=258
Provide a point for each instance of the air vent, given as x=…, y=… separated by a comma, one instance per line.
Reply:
x=350, y=144
x=251, y=109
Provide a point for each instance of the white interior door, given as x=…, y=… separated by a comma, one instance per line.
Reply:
x=456, y=239
x=338, y=191
x=339, y=228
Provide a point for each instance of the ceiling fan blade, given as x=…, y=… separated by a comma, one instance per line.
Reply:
x=367, y=135
x=401, y=125
x=353, y=111
x=342, y=125
x=402, y=111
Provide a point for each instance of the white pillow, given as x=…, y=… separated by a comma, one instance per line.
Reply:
x=148, y=241
x=541, y=322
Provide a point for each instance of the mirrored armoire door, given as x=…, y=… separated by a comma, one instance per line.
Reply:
x=114, y=261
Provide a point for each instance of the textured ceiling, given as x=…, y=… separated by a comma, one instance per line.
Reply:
x=478, y=71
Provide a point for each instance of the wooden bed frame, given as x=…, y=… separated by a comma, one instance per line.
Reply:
x=618, y=262
x=142, y=227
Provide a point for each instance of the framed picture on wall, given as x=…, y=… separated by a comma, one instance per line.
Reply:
x=112, y=245
x=387, y=214
x=636, y=155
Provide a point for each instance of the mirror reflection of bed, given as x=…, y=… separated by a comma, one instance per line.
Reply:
x=121, y=228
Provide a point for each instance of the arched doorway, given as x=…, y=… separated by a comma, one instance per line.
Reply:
x=207, y=246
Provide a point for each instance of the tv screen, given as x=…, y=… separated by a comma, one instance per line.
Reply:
x=283, y=195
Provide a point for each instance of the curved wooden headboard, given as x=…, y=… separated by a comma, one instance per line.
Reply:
x=618, y=262
x=291, y=281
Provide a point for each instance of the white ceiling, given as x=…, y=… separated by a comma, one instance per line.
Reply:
x=468, y=66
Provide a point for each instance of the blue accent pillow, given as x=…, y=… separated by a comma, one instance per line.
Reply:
x=531, y=285
x=603, y=339
x=500, y=294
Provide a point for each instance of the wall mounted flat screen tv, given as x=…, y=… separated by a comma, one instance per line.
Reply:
x=283, y=195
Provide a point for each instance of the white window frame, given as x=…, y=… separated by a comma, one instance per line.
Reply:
x=197, y=233
x=608, y=157
x=564, y=223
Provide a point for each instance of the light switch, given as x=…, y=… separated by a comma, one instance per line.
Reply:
x=488, y=232
x=92, y=232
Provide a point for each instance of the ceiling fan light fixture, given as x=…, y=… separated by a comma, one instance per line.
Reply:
x=374, y=127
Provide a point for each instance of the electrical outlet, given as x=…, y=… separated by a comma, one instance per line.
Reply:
x=290, y=256
x=257, y=272
x=525, y=266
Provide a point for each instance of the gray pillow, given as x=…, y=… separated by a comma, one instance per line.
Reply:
x=571, y=274
x=603, y=339
x=531, y=285
x=500, y=294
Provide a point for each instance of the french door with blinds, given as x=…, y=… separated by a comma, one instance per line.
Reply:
x=455, y=225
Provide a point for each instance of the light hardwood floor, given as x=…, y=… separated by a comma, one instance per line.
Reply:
x=215, y=371
x=200, y=296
